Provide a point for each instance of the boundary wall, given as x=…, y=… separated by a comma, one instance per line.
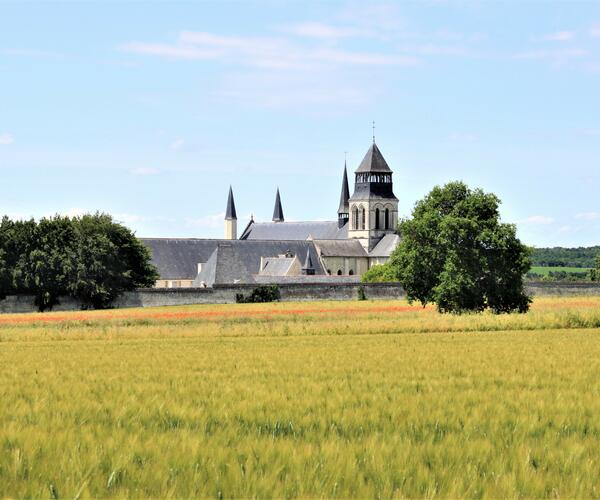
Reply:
x=225, y=294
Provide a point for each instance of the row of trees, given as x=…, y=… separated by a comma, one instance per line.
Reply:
x=584, y=257
x=456, y=253
x=91, y=258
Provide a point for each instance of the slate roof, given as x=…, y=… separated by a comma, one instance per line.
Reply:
x=294, y=231
x=340, y=248
x=276, y=266
x=373, y=162
x=386, y=246
x=178, y=258
x=230, y=210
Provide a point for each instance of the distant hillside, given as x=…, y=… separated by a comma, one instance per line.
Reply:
x=565, y=257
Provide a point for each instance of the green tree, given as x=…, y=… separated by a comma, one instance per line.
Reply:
x=456, y=253
x=108, y=260
x=48, y=266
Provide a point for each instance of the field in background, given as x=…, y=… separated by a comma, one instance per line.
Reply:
x=301, y=399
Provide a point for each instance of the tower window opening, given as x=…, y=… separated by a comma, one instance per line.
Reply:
x=339, y=273
x=362, y=219
x=351, y=272
x=355, y=218
x=377, y=218
x=387, y=218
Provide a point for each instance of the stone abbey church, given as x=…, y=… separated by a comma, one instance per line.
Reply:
x=292, y=252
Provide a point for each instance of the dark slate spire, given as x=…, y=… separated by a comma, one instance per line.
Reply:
x=278, y=211
x=373, y=162
x=345, y=195
x=230, y=211
x=308, y=268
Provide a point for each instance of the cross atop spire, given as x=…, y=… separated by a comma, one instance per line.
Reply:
x=278, y=210
x=373, y=131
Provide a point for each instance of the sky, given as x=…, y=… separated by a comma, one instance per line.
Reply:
x=150, y=110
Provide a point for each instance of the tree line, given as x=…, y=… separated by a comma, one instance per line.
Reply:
x=91, y=258
x=565, y=257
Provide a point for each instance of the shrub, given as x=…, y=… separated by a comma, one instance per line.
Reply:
x=269, y=293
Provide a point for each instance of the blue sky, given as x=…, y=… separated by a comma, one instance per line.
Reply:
x=149, y=110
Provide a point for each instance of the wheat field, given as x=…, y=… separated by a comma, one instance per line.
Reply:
x=327, y=399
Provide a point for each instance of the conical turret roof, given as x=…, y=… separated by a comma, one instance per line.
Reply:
x=344, y=207
x=278, y=210
x=373, y=162
x=230, y=212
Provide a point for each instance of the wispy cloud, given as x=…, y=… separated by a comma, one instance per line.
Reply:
x=594, y=132
x=555, y=56
x=538, y=220
x=462, y=137
x=595, y=31
x=177, y=144
x=145, y=171
x=208, y=221
x=588, y=216
x=559, y=36
x=326, y=31
x=6, y=139
x=275, y=53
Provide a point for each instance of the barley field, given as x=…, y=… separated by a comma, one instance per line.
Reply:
x=327, y=399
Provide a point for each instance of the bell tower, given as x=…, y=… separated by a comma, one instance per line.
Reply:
x=373, y=205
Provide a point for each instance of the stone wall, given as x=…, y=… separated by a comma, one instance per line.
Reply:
x=225, y=294
x=562, y=288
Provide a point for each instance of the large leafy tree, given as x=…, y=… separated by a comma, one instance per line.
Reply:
x=456, y=253
x=91, y=258
x=108, y=260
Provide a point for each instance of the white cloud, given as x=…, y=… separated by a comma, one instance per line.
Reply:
x=462, y=137
x=559, y=36
x=588, y=216
x=557, y=56
x=177, y=144
x=538, y=219
x=326, y=31
x=6, y=139
x=274, y=53
x=169, y=51
x=207, y=221
x=145, y=171
x=595, y=31
x=592, y=131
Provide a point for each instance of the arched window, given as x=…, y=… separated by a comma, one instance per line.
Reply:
x=339, y=273
x=362, y=219
x=377, y=218
x=387, y=218
x=355, y=218
x=351, y=272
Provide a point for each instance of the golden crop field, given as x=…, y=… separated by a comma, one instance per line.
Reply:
x=328, y=399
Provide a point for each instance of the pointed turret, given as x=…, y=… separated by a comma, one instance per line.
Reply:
x=278, y=211
x=308, y=268
x=230, y=218
x=230, y=211
x=373, y=162
x=344, y=208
